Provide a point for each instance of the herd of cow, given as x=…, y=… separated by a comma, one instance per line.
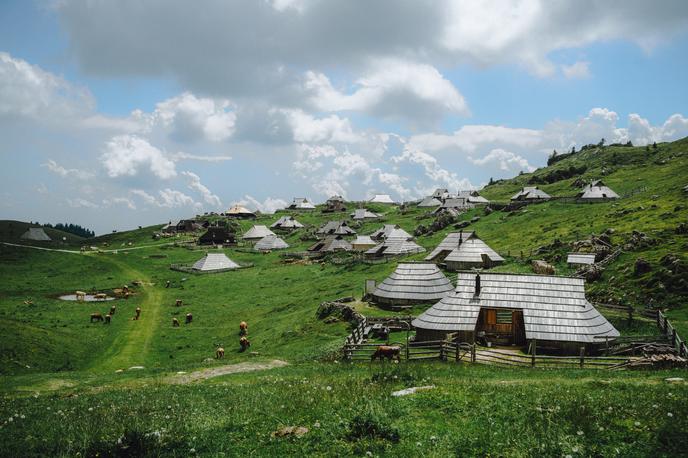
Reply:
x=244, y=343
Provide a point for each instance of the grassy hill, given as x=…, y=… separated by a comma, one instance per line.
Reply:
x=50, y=345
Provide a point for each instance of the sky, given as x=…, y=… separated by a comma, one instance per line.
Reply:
x=115, y=114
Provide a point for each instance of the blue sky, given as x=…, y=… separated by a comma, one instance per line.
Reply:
x=115, y=114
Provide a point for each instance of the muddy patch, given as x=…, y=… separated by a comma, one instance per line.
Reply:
x=205, y=374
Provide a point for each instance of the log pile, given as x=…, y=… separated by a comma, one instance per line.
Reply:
x=662, y=361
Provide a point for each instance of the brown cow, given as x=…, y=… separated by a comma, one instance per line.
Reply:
x=107, y=319
x=97, y=316
x=189, y=318
x=244, y=342
x=175, y=322
x=113, y=309
x=100, y=296
x=386, y=351
x=219, y=353
x=243, y=328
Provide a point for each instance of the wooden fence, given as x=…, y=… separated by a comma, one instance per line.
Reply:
x=670, y=331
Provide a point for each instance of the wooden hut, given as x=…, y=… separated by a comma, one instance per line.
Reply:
x=580, y=259
x=214, y=262
x=440, y=194
x=270, y=242
x=388, y=229
x=286, y=223
x=596, y=191
x=531, y=194
x=412, y=283
x=363, y=243
x=381, y=199
x=473, y=197
x=217, y=235
x=363, y=214
x=395, y=245
x=330, y=244
x=256, y=233
x=36, y=234
x=239, y=212
x=301, y=204
x=430, y=202
x=512, y=309
x=464, y=250
x=335, y=204
x=335, y=228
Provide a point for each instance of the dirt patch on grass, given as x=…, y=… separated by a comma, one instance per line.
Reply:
x=182, y=379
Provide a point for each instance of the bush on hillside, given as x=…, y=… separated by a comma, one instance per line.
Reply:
x=558, y=175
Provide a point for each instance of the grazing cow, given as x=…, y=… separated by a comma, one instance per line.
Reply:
x=219, y=353
x=100, y=296
x=167, y=284
x=80, y=295
x=96, y=316
x=175, y=323
x=243, y=328
x=125, y=288
x=178, y=303
x=189, y=318
x=138, y=313
x=244, y=342
x=107, y=319
x=113, y=309
x=385, y=351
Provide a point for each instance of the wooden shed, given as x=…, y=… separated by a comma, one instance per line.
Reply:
x=257, y=232
x=464, y=250
x=335, y=228
x=217, y=235
x=512, y=309
x=580, y=259
x=531, y=194
x=269, y=243
x=597, y=191
x=286, y=223
x=329, y=244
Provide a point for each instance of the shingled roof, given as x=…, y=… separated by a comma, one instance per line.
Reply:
x=581, y=258
x=395, y=246
x=336, y=228
x=36, y=233
x=388, y=229
x=382, y=199
x=430, y=202
x=257, y=232
x=472, y=197
x=449, y=244
x=413, y=283
x=270, y=242
x=214, y=261
x=531, y=193
x=362, y=213
x=554, y=308
x=286, y=222
x=597, y=190
x=331, y=243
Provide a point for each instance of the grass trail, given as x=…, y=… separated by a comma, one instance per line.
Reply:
x=132, y=346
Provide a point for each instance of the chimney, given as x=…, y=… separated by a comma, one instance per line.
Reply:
x=460, y=237
x=477, y=285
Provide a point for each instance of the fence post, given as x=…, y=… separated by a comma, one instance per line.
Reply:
x=673, y=337
x=473, y=353
x=582, y=356
x=457, y=353
x=442, y=356
x=533, y=346
x=606, y=345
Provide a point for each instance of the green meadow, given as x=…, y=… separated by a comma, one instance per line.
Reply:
x=67, y=386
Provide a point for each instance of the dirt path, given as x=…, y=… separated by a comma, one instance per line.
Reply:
x=113, y=250
x=204, y=374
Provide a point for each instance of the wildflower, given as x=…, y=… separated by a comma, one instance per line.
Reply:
x=569, y=456
x=193, y=450
x=601, y=428
x=418, y=444
x=11, y=419
x=329, y=388
x=669, y=414
x=433, y=438
x=637, y=423
x=654, y=406
x=22, y=416
x=316, y=424
x=90, y=409
x=369, y=453
x=580, y=433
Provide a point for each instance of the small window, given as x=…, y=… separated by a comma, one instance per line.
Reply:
x=504, y=316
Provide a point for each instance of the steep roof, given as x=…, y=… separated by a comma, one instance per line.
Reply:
x=257, y=232
x=440, y=193
x=382, y=199
x=362, y=213
x=335, y=228
x=214, y=261
x=364, y=240
x=238, y=210
x=581, y=258
x=597, y=190
x=331, y=243
x=270, y=242
x=530, y=193
x=301, y=203
x=336, y=198
x=554, y=308
x=414, y=282
x=37, y=234
x=473, y=197
x=471, y=252
x=450, y=243
x=286, y=222
x=387, y=229
x=457, y=203
x=430, y=201
x=395, y=246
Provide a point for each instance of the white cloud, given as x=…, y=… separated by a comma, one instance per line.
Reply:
x=195, y=157
x=79, y=202
x=308, y=129
x=432, y=170
x=65, y=173
x=506, y=160
x=269, y=205
x=471, y=138
x=167, y=198
x=190, y=118
x=121, y=201
x=392, y=88
x=125, y=155
x=194, y=182
x=578, y=70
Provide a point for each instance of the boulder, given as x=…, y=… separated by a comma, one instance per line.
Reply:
x=641, y=266
x=543, y=268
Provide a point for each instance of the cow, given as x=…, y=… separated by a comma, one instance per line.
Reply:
x=113, y=309
x=219, y=353
x=96, y=316
x=243, y=328
x=108, y=317
x=178, y=303
x=80, y=295
x=543, y=268
x=125, y=289
x=386, y=351
x=244, y=342
x=175, y=323
x=100, y=296
x=167, y=284
x=189, y=318
x=138, y=313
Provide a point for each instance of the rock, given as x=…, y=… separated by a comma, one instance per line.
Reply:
x=119, y=371
x=682, y=228
x=461, y=225
x=609, y=231
x=641, y=266
x=296, y=431
x=136, y=368
x=542, y=267
x=407, y=391
x=674, y=380
x=475, y=219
